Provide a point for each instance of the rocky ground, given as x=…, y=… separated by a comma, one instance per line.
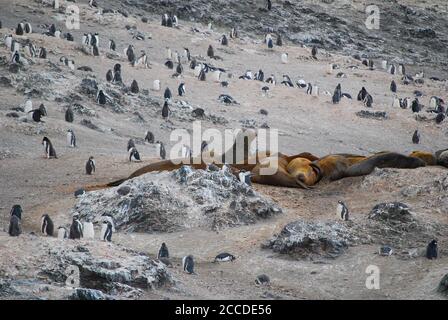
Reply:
x=323, y=258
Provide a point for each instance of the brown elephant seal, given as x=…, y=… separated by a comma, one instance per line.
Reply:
x=442, y=158
x=428, y=157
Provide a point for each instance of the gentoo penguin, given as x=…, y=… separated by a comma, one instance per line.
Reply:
x=188, y=264
x=134, y=155
x=391, y=69
x=259, y=76
x=109, y=75
x=401, y=69
x=161, y=147
x=46, y=225
x=69, y=116
x=19, y=29
x=88, y=230
x=224, y=40
x=271, y=80
x=90, y=166
x=76, y=231
x=210, y=52
x=167, y=94
x=287, y=81
x=393, y=87
x=415, y=106
x=431, y=250
x=309, y=89
x=233, y=33
x=80, y=192
x=302, y=83
x=42, y=53
x=244, y=177
x=314, y=52
x=165, y=110
x=279, y=41
x=17, y=211
x=15, y=57
x=362, y=94
x=101, y=97
x=175, y=21
x=48, y=148
x=149, y=137
x=117, y=77
x=368, y=100
x=62, y=233
x=130, y=53
x=8, y=41
x=262, y=280
x=440, y=117
x=156, y=85
x=108, y=218
x=224, y=257
x=265, y=90
x=342, y=211
x=134, y=87
x=95, y=50
x=269, y=5
x=106, y=231
x=28, y=28
x=15, y=228
x=71, y=138
x=92, y=3
x=416, y=137
x=187, y=54
x=117, y=67
x=337, y=95
x=131, y=144
x=270, y=43
x=36, y=115
x=181, y=89
x=163, y=252
x=112, y=45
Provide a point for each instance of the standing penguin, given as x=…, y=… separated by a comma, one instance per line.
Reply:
x=19, y=29
x=71, y=138
x=279, y=41
x=188, y=264
x=134, y=87
x=149, y=137
x=17, y=211
x=210, y=52
x=101, y=97
x=167, y=94
x=270, y=43
x=314, y=52
x=76, y=231
x=416, y=137
x=362, y=94
x=415, y=106
x=393, y=87
x=106, y=231
x=181, y=89
x=48, y=147
x=88, y=230
x=90, y=166
x=269, y=5
x=224, y=40
x=337, y=94
x=112, y=45
x=46, y=225
x=368, y=101
x=165, y=110
x=15, y=228
x=161, y=147
x=163, y=252
x=431, y=250
x=108, y=218
x=134, y=155
x=342, y=211
x=202, y=76
x=109, y=75
x=95, y=50
x=69, y=116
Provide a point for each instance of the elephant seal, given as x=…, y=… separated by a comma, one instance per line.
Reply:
x=442, y=158
x=429, y=158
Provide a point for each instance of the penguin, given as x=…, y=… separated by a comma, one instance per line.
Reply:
x=440, y=117
x=15, y=57
x=131, y=144
x=309, y=89
x=233, y=33
x=15, y=228
x=431, y=250
x=112, y=45
x=164, y=20
x=88, y=230
x=262, y=280
x=62, y=233
x=244, y=177
x=167, y=94
x=163, y=252
x=337, y=94
x=162, y=152
x=79, y=192
x=416, y=137
x=362, y=94
x=287, y=81
x=269, y=5
x=69, y=37
x=368, y=101
x=188, y=264
x=48, y=147
x=52, y=30
x=106, y=231
x=17, y=211
x=156, y=85
x=342, y=211
x=259, y=76
x=169, y=22
x=134, y=155
x=279, y=41
x=71, y=138
x=130, y=53
x=301, y=83
x=181, y=89
x=224, y=257
x=117, y=77
x=314, y=52
x=391, y=69
x=46, y=225
x=393, y=87
x=42, y=53
x=69, y=116
x=210, y=52
x=28, y=28
x=175, y=21
x=134, y=87
x=117, y=67
x=270, y=43
x=149, y=137
x=108, y=218
x=187, y=54
x=90, y=166
x=36, y=115
x=401, y=69
x=19, y=29
x=179, y=68
x=95, y=50
x=76, y=231
x=224, y=40
x=385, y=251
x=265, y=90
x=271, y=80
x=8, y=41
x=101, y=97
x=415, y=106
x=109, y=76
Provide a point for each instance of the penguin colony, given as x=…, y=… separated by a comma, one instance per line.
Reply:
x=85, y=230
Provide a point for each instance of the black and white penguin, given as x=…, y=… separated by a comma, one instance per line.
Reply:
x=165, y=110
x=392, y=69
x=134, y=87
x=106, y=231
x=52, y=30
x=48, y=148
x=164, y=20
x=131, y=144
x=42, y=53
x=90, y=166
x=71, y=138
x=202, y=76
x=109, y=75
x=117, y=77
x=76, y=231
x=163, y=252
x=342, y=211
x=46, y=225
x=80, y=192
x=224, y=257
x=265, y=90
x=134, y=155
x=287, y=81
x=259, y=76
x=188, y=264
x=270, y=43
x=28, y=28
x=386, y=251
x=393, y=87
x=224, y=40
x=62, y=233
x=271, y=80
x=69, y=37
x=149, y=137
x=130, y=53
x=36, y=115
x=233, y=33
x=187, y=54
x=167, y=95
x=112, y=45
x=210, y=52
x=415, y=106
x=169, y=64
x=245, y=176
x=368, y=101
x=101, y=97
x=15, y=228
x=362, y=94
x=337, y=95
x=162, y=151
x=314, y=52
x=416, y=137
x=431, y=250
x=17, y=211
x=269, y=5
x=15, y=57
x=262, y=279
x=95, y=50
x=401, y=69
x=181, y=89
x=279, y=41
x=440, y=117
x=69, y=116
x=19, y=29
x=108, y=218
